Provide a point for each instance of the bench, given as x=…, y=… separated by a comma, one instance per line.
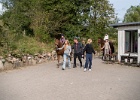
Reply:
x=129, y=60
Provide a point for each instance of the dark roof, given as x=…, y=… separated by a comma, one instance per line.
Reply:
x=125, y=24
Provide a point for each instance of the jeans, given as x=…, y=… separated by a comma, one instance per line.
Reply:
x=65, y=57
x=106, y=51
x=79, y=58
x=88, y=61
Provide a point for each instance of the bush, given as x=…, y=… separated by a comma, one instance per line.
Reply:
x=26, y=45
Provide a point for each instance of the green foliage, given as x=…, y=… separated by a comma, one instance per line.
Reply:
x=41, y=20
x=29, y=46
x=41, y=35
x=60, y=16
x=26, y=45
x=132, y=14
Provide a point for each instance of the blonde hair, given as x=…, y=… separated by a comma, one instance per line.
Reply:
x=89, y=41
x=67, y=43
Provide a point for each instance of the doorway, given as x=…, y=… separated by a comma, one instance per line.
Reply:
x=131, y=41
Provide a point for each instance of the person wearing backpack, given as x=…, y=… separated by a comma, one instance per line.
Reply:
x=78, y=49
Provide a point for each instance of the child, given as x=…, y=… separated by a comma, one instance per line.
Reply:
x=106, y=47
x=66, y=55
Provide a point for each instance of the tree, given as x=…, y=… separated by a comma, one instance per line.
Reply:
x=65, y=16
x=84, y=18
x=16, y=17
x=132, y=14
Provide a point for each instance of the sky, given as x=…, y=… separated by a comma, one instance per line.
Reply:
x=120, y=6
x=0, y=8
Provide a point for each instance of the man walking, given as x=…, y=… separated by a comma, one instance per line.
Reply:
x=77, y=51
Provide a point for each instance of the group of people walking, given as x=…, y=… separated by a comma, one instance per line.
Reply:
x=78, y=51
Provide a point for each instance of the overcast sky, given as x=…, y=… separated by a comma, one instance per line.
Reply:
x=0, y=8
x=120, y=6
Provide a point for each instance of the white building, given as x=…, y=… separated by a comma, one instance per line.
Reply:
x=128, y=41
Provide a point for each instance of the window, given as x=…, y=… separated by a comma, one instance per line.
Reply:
x=131, y=41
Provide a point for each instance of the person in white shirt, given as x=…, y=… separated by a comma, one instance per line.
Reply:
x=106, y=37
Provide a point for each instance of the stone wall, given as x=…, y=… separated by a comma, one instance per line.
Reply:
x=12, y=62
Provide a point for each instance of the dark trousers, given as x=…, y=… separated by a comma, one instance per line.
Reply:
x=88, y=60
x=79, y=58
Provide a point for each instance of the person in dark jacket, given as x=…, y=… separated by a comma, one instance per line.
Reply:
x=89, y=50
x=77, y=52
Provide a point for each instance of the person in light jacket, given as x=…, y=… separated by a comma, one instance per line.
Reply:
x=66, y=55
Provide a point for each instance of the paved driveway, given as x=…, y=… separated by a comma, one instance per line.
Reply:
x=46, y=82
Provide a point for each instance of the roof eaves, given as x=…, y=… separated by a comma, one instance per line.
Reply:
x=125, y=24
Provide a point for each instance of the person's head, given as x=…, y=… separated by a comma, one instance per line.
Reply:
x=67, y=42
x=62, y=35
x=89, y=41
x=83, y=42
x=75, y=40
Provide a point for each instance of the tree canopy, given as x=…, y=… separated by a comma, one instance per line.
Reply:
x=132, y=14
x=72, y=17
x=42, y=19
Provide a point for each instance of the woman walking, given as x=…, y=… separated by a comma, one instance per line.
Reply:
x=66, y=55
x=89, y=50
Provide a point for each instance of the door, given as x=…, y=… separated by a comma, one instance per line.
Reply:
x=131, y=41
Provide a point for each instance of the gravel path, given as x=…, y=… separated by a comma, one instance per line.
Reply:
x=46, y=82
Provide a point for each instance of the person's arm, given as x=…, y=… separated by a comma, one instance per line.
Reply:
x=61, y=48
x=93, y=51
x=72, y=47
x=69, y=50
x=84, y=50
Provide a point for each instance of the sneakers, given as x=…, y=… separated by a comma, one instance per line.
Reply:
x=63, y=69
x=89, y=69
x=85, y=69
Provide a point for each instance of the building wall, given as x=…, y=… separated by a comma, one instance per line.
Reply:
x=139, y=45
x=121, y=41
